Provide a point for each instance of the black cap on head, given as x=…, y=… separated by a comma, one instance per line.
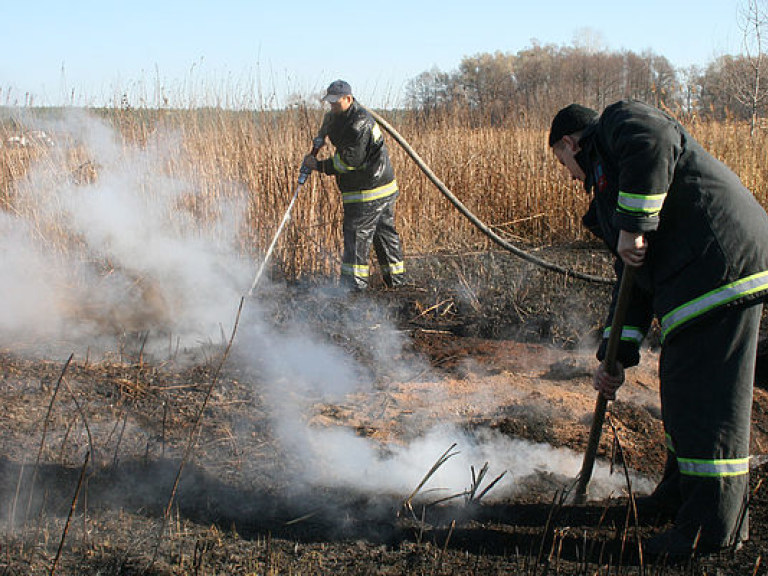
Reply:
x=569, y=120
x=336, y=90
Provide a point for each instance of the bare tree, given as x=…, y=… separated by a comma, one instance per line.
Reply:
x=531, y=85
x=745, y=75
x=690, y=91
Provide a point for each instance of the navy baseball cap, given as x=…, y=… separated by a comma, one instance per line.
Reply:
x=336, y=90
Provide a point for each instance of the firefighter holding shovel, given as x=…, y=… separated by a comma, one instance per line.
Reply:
x=368, y=188
x=696, y=242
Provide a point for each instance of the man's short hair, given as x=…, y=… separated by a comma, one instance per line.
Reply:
x=337, y=90
x=570, y=120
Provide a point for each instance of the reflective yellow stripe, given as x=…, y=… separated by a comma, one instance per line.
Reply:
x=376, y=134
x=713, y=468
x=713, y=299
x=646, y=204
x=628, y=334
x=670, y=444
x=358, y=270
x=369, y=195
x=396, y=268
x=340, y=166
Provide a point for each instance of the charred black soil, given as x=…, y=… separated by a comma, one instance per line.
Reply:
x=143, y=463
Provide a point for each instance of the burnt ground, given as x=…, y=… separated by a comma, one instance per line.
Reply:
x=176, y=462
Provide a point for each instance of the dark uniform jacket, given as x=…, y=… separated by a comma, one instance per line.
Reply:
x=707, y=234
x=361, y=162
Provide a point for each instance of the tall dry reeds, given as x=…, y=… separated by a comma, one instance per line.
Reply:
x=505, y=174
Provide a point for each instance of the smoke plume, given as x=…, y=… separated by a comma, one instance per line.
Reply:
x=85, y=261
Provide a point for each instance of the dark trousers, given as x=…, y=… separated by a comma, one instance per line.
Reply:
x=707, y=374
x=367, y=223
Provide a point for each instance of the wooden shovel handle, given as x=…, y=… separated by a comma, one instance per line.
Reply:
x=612, y=348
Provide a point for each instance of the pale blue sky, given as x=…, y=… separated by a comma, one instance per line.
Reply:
x=90, y=51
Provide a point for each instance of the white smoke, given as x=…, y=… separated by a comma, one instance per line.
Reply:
x=300, y=371
x=26, y=280
x=338, y=457
x=83, y=262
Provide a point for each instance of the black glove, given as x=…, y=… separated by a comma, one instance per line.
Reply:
x=309, y=163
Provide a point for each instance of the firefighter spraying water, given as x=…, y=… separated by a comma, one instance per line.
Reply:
x=369, y=190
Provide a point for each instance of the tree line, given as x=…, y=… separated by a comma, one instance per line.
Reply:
x=532, y=84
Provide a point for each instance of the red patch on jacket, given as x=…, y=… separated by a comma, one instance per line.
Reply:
x=600, y=178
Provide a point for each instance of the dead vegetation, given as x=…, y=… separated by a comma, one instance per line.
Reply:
x=504, y=174
x=100, y=477
x=146, y=456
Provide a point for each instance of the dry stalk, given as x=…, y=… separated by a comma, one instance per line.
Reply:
x=448, y=498
x=119, y=440
x=632, y=505
x=114, y=429
x=165, y=421
x=558, y=501
x=193, y=433
x=588, y=553
x=301, y=518
x=46, y=422
x=471, y=494
x=439, y=563
x=422, y=525
x=65, y=439
x=71, y=513
x=476, y=481
x=477, y=478
x=437, y=306
x=447, y=455
x=558, y=539
x=12, y=519
x=491, y=485
x=469, y=292
x=82, y=415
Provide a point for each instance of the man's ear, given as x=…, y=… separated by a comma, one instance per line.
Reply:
x=572, y=142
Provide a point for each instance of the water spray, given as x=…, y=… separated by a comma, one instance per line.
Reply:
x=317, y=143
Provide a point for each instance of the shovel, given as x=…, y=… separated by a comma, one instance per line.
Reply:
x=609, y=362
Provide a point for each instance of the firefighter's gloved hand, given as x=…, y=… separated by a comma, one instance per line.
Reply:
x=632, y=247
x=607, y=384
x=309, y=163
x=318, y=142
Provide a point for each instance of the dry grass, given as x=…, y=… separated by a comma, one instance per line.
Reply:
x=506, y=175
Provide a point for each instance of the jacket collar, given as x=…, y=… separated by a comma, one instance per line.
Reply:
x=349, y=112
x=586, y=155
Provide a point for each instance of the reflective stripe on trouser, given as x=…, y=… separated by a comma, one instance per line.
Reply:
x=707, y=373
x=367, y=223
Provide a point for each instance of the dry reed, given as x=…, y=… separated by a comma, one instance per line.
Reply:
x=504, y=174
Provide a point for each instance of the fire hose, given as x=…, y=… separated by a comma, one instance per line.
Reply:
x=619, y=313
x=527, y=256
x=318, y=143
x=625, y=288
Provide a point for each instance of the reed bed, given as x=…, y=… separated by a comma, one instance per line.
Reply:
x=504, y=174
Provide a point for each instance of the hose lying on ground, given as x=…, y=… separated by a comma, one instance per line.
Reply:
x=476, y=221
